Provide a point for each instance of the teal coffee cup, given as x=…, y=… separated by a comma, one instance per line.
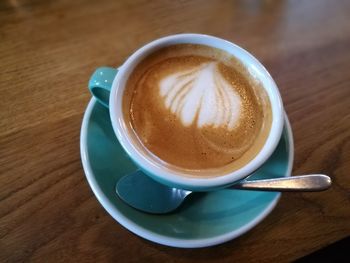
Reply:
x=107, y=85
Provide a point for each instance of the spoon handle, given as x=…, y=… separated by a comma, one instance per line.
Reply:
x=302, y=183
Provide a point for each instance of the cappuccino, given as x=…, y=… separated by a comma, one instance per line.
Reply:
x=196, y=107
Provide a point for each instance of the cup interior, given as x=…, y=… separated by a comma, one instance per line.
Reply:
x=158, y=169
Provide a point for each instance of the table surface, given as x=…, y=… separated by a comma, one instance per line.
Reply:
x=48, y=49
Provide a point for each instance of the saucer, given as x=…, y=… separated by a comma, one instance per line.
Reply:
x=205, y=219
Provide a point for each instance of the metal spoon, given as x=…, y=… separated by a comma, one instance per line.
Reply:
x=143, y=193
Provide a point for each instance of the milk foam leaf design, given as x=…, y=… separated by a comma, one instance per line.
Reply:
x=201, y=95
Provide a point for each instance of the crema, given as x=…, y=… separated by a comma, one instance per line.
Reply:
x=197, y=107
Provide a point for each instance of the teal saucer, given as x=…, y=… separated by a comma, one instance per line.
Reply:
x=205, y=219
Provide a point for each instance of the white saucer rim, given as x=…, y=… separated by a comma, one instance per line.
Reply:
x=155, y=237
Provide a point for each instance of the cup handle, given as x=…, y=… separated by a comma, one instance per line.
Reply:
x=100, y=84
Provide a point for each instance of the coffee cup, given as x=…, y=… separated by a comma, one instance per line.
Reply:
x=192, y=111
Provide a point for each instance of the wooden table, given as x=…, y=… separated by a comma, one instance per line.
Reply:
x=48, y=49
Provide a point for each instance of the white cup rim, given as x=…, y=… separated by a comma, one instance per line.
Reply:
x=176, y=178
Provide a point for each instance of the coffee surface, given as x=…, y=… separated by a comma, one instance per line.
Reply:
x=196, y=107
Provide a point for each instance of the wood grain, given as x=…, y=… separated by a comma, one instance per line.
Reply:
x=48, y=49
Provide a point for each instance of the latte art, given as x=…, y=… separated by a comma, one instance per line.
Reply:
x=196, y=108
x=201, y=95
